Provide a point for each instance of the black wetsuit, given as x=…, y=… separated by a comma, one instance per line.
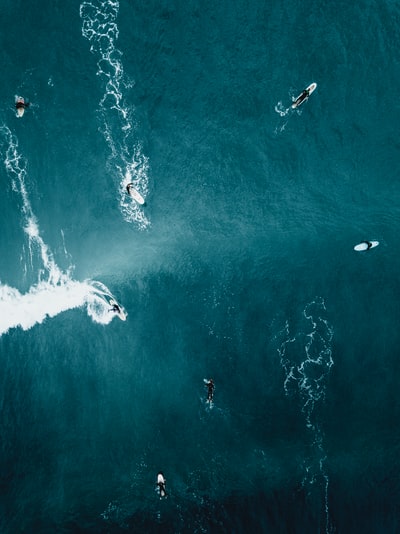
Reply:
x=305, y=94
x=21, y=104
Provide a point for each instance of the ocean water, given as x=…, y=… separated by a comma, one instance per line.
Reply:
x=240, y=267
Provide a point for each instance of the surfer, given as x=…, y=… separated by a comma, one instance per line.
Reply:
x=161, y=484
x=134, y=193
x=117, y=309
x=210, y=389
x=364, y=246
x=21, y=105
x=304, y=95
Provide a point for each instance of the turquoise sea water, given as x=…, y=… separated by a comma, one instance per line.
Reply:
x=239, y=267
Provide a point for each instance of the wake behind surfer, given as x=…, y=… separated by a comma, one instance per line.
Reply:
x=161, y=481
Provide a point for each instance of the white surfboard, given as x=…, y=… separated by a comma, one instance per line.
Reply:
x=311, y=88
x=364, y=245
x=134, y=193
x=121, y=314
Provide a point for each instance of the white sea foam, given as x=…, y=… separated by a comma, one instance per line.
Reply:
x=306, y=358
x=55, y=291
x=48, y=300
x=285, y=114
x=281, y=110
x=101, y=30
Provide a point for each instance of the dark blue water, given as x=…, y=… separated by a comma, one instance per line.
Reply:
x=240, y=267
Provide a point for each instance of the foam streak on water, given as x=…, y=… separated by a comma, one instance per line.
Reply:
x=127, y=161
x=55, y=290
x=306, y=358
x=16, y=167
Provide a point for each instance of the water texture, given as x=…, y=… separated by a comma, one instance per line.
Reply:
x=239, y=266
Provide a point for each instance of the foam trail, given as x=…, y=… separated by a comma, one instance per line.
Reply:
x=16, y=167
x=306, y=358
x=281, y=110
x=55, y=291
x=48, y=300
x=285, y=113
x=126, y=159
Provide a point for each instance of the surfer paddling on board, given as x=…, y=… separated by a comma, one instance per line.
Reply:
x=210, y=389
x=300, y=99
x=303, y=96
x=20, y=105
x=364, y=246
x=161, y=484
x=128, y=188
